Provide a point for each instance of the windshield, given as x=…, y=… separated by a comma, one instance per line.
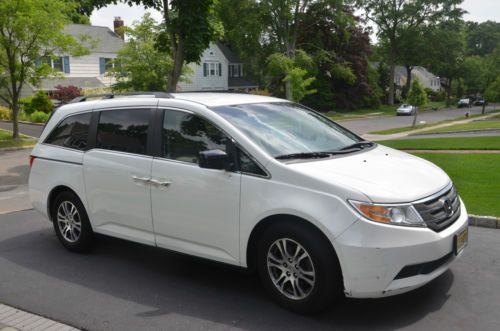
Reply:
x=284, y=128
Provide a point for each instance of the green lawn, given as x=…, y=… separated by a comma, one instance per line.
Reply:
x=7, y=141
x=477, y=178
x=476, y=125
x=483, y=143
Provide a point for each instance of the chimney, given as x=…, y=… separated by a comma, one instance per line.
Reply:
x=118, y=24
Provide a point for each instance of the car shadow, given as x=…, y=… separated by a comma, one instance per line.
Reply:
x=175, y=283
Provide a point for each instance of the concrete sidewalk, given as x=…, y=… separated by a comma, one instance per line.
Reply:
x=12, y=319
x=377, y=137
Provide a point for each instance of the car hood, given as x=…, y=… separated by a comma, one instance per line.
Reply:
x=383, y=174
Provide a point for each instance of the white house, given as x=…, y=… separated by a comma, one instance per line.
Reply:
x=219, y=69
x=87, y=71
x=426, y=78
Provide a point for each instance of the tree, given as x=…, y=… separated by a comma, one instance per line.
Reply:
x=294, y=71
x=140, y=66
x=66, y=93
x=416, y=97
x=394, y=18
x=446, y=54
x=482, y=38
x=284, y=19
x=188, y=28
x=29, y=30
x=492, y=93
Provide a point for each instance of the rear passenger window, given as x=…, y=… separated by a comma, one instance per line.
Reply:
x=123, y=130
x=72, y=132
x=186, y=135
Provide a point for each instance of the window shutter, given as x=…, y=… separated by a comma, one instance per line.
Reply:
x=220, y=69
x=205, y=69
x=102, y=65
x=66, y=64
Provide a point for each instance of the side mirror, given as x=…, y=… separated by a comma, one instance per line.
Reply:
x=214, y=159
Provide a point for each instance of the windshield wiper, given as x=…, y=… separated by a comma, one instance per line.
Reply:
x=305, y=155
x=359, y=144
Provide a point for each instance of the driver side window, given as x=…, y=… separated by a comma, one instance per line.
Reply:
x=186, y=135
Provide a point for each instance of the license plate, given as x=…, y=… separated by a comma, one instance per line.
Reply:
x=461, y=240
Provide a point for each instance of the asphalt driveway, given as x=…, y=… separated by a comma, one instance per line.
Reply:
x=126, y=286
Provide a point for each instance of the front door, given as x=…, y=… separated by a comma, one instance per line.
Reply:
x=195, y=210
x=117, y=173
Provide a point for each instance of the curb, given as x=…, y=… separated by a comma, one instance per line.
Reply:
x=24, y=122
x=455, y=132
x=485, y=221
x=10, y=149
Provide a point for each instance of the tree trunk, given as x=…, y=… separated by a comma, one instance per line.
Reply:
x=288, y=89
x=415, y=118
x=448, y=92
x=484, y=106
x=408, y=80
x=15, y=118
x=175, y=73
x=390, y=97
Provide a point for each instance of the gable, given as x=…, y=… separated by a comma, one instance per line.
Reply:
x=102, y=39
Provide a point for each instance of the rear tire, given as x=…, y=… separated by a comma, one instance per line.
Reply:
x=71, y=222
x=299, y=267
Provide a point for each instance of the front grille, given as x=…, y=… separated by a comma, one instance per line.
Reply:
x=434, y=211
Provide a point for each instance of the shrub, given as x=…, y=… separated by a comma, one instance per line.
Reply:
x=25, y=105
x=41, y=102
x=66, y=93
x=5, y=113
x=39, y=117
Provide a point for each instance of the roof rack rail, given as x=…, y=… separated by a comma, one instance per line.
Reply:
x=113, y=95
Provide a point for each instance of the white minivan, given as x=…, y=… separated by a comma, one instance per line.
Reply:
x=253, y=181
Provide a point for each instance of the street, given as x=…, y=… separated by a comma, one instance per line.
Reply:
x=127, y=286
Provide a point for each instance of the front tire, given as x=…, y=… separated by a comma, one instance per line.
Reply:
x=298, y=267
x=71, y=222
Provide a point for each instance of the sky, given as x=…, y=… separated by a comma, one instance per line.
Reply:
x=478, y=10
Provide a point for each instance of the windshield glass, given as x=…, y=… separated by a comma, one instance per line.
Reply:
x=283, y=128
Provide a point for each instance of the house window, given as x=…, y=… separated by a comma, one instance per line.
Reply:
x=212, y=69
x=56, y=63
x=106, y=64
x=235, y=70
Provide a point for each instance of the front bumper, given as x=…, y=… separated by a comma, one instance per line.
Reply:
x=373, y=254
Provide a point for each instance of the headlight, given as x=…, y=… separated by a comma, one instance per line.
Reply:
x=403, y=214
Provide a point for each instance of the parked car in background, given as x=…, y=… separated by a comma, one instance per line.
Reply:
x=253, y=181
x=480, y=102
x=464, y=103
x=406, y=109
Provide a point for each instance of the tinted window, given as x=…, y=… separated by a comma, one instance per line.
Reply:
x=249, y=166
x=123, y=130
x=72, y=132
x=185, y=135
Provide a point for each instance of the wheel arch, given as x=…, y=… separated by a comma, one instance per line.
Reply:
x=265, y=223
x=54, y=193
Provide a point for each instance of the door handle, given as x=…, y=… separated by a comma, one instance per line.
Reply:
x=160, y=183
x=141, y=179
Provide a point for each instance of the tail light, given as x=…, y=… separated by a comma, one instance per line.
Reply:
x=32, y=159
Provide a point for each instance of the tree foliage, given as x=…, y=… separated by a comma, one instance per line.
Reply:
x=396, y=18
x=140, y=65
x=30, y=29
x=417, y=95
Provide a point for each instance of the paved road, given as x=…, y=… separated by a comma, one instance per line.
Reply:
x=126, y=286
x=33, y=130
x=359, y=126
x=362, y=126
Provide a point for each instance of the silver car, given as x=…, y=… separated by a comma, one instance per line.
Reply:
x=406, y=109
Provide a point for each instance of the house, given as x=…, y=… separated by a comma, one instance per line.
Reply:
x=426, y=78
x=87, y=71
x=219, y=70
